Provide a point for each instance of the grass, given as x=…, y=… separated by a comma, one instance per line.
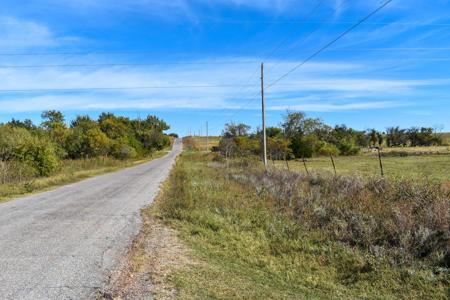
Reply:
x=69, y=172
x=405, y=151
x=433, y=167
x=199, y=142
x=446, y=137
x=246, y=248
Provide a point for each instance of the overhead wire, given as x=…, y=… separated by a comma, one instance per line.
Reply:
x=123, y=64
x=326, y=46
x=119, y=88
x=331, y=43
x=279, y=45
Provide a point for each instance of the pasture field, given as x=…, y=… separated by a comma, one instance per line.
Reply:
x=410, y=150
x=199, y=142
x=433, y=167
x=424, y=163
x=245, y=243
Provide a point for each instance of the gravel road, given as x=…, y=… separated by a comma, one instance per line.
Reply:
x=63, y=244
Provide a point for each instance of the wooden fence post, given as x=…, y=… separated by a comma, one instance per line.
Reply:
x=332, y=162
x=381, y=163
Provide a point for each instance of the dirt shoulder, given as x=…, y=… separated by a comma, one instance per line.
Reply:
x=155, y=254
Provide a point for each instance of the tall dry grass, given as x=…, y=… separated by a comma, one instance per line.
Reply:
x=396, y=219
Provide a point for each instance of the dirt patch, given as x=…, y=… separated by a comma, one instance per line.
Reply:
x=155, y=254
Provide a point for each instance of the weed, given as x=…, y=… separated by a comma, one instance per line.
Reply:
x=282, y=235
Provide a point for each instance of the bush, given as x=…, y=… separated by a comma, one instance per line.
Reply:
x=41, y=154
x=123, y=151
x=348, y=148
x=324, y=148
x=18, y=145
x=403, y=218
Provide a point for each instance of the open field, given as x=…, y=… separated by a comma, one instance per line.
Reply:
x=199, y=142
x=405, y=151
x=70, y=171
x=424, y=163
x=434, y=167
x=243, y=245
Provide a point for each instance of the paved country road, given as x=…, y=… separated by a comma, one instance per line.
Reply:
x=63, y=244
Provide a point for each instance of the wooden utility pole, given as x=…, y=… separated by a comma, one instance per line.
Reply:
x=263, y=106
x=206, y=136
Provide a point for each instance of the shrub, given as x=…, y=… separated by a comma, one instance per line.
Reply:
x=324, y=148
x=123, y=151
x=404, y=218
x=18, y=145
x=348, y=148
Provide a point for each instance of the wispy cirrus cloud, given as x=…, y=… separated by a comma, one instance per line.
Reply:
x=19, y=34
x=186, y=87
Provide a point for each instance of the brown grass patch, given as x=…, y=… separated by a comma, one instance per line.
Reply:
x=154, y=255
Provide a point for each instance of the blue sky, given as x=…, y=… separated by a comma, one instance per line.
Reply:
x=392, y=70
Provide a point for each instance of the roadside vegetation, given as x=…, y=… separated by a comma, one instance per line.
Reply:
x=282, y=235
x=420, y=167
x=35, y=157
x=308, y=145
x=301, y=137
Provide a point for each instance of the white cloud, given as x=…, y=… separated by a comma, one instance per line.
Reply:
x=17, y=34
x=332, y=107
x=307, y=86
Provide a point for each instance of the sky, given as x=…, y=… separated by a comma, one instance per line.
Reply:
x=197, y=61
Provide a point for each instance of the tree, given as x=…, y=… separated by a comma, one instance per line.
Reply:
x=272, y=132
x=380, y=139
x=52, y=119
x=25, y=124
x=396, y=137
x=115, y=127
x=97, y=143
x=279, y=148
x=293, y=124
x=227, y=147
x=373, y=137
x=235, y=130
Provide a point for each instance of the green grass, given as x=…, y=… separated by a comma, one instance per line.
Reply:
x=69, y=172
x=434, y=167
x=247, y=250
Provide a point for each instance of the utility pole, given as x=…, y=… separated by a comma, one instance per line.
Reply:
x=263, y=107
x=206, y=136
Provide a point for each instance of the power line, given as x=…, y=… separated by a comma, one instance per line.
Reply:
x=332, y=42
x=311, y=13
x=123, y=64
x=312, y=32
x=274, y=50
x=120, y=88
x=322, y=49
x=149, y=52
x=327, y=22
x=79, y=53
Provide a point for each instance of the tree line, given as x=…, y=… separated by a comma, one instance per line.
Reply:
x=40, y=148
x=299, y=136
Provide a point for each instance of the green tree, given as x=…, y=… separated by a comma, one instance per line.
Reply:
x=52, y=119
x=235, y=130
